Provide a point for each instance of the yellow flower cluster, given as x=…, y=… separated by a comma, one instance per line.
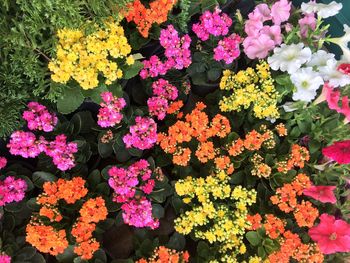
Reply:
x=82, y=57
x=221, y=215
x=250, y=87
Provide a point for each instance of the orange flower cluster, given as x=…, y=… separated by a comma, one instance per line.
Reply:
x=274, y=226
x=49, y=240
x=145, y=17
x=46, y=239
x=292, y=247
x=286, y=196
x=260, y=168
x=255, y=221
x=196, y=126
x=175, y=107
x=286, y=199
x=92, y=211
x=281, y=130
x=166, y=255
x=297, y=158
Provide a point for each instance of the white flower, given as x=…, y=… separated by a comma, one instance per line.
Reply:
x=322, y=10
x=332, y=75
x=320, y=58
x=290, y=106
x=307, y=83
x=289, y=57
x=343, y=42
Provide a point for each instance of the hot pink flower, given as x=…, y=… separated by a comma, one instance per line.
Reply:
x=3, y=162
x=258, y=47
x=339, y=152
x=332, y=97
x=331, y=235
x=164, y=89
x=39, y=118
x=306, y=23
x=24, y=144
x=280, y=11
x=12, y=190
x=158, y=107
x=321, y=193
x=344, y=68
x=109, y=114
x=228, y=49
x=5, y=258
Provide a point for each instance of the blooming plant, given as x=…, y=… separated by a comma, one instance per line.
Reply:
x=215, y=132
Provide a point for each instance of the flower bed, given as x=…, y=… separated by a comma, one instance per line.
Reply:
x=185, y=131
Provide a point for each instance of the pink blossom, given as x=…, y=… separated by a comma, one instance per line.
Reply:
x=228, y=49
x=23, y=144
x=333, y=97
x=5, y=258
x=123, y=184
x=338, y=151
x=142, y=135
x=253, y=26
x=3, y=162
x=12, y=190
x=177, y=53
x=324, y=194
x=263, y=12
x=39, y=118
x=158, y=107
x=61, y=152
x=164, y=89
x=274, y=33
x=280, y=11
x=138, y=213
x=212, y=23
x=258, y=47
x=331, y=235
x=109, y=114
x=308, y=22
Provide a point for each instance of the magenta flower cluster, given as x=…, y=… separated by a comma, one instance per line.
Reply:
x=5, y=258
x=177, y=53
x=165, y=92
x=142, y=135
x=3, y=162
x=12, y=190
x=228, y=49
x=136, y=211
x=261, y=39
x=39, y=118
x=61, y=152
x=110, y=112
x=212, y=23
x=26, y=145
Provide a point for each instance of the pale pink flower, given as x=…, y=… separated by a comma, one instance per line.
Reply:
x=280, y=11
x=308, y=22
x=274, y=33
x=258, y=47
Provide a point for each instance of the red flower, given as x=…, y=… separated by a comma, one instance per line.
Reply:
x=324, y=194
x=331, y=235
x=344, y=68
x=339, y=152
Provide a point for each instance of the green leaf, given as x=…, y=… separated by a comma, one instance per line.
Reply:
x=132, y=70
x=253, y=238
x=25, y=253
x=214, y=74
x=177, y=241
x=135, y=152
x=82, y=122
x=104, y=149
x=39, y=178
x=116, y=89
x=157, y=211
x=71, y=99
x=203, y=249
x=94, y=178
x=261, y=252
x=103, y=188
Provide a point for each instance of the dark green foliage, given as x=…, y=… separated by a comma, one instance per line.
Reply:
x=27, y=42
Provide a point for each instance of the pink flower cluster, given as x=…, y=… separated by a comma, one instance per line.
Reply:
x=3, y=162
x=212, y=23
x=333, y=97
x=5, y=258
x=26, y=145
x=228, y=49
x=177, y=53
x=12, y=190
x=158, y=105
x=39, y=118
x=308, y=22
x=136, y=211
x=263, y=38
x=61, y=152
x=109, y=113
x=142, y=135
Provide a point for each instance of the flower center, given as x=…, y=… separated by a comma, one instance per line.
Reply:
x=305, y=84
x=333, y=236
